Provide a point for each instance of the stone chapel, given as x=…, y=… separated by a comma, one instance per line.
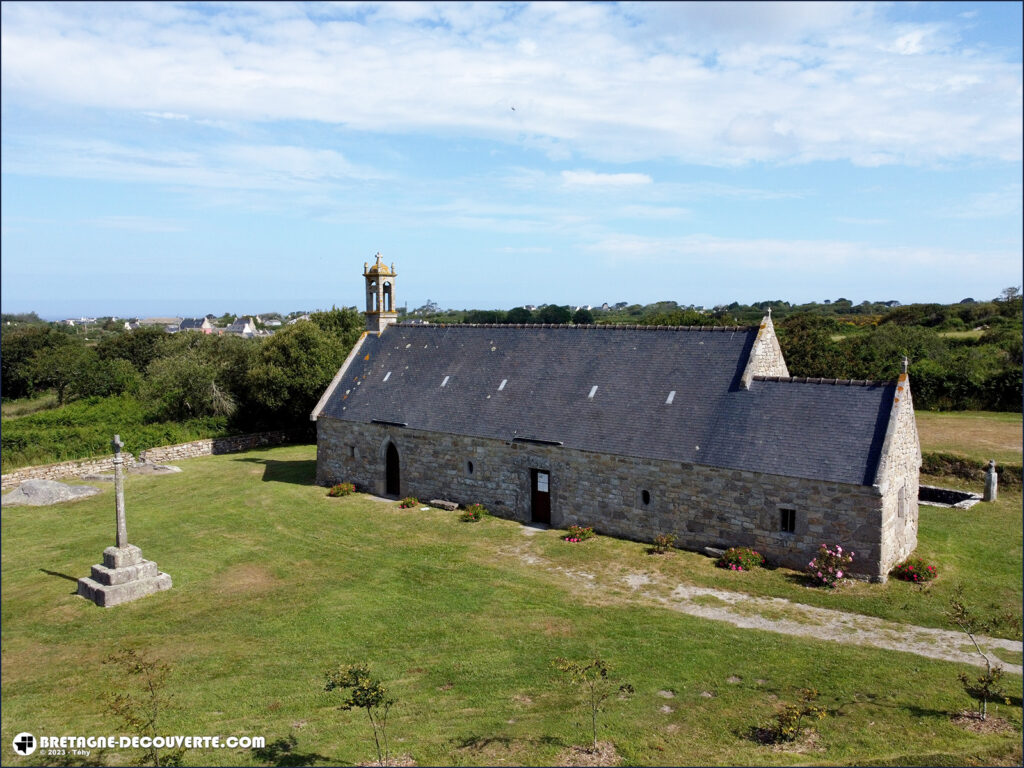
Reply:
x=634, y=430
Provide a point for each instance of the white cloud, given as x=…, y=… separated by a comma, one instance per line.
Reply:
x=714, y=84
x=792, y=255
x=592, y=179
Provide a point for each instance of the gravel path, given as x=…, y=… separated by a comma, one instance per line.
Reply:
x=785, y=617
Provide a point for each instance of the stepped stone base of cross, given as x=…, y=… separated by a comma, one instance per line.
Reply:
x=123, y=577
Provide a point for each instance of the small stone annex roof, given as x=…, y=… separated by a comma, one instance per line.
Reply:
x=622, y=390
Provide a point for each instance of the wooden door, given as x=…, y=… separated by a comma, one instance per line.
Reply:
x=540, y=496
x=393, y=478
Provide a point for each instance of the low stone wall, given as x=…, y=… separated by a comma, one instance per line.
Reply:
x=64, y=469
x=160, y=455
x=216, y=445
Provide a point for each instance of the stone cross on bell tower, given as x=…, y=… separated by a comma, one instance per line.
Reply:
x=380, y=295
x=124, y=575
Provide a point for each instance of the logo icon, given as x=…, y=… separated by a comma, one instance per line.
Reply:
x=24, y=743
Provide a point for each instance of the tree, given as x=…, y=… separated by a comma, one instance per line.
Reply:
x=554, y=314
x=60, y=367
x=141, y=710
x=583, y=316
x=292, y=369
x=139, y=347
x=18, y=347
x=519, y=316
x=592, y=675
x=345, y=324
x=366, y=692
x=185, y=386
x=989, y=685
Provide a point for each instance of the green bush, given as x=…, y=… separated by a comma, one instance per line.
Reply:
x=740, y=559
x=663, y=543
x=341, y=489
x=408, y=502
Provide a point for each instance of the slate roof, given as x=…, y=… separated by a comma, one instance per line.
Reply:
x=781, y=427
x=192, y=323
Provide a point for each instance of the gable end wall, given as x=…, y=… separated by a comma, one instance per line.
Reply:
x=898, y=475
x=766, y=354
x=702, y=506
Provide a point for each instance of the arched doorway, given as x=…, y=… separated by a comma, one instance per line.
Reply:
x=392, y=475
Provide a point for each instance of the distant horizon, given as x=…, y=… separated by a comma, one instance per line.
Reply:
x=52, y=316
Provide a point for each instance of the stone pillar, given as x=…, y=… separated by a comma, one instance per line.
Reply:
x=124, y=575
x=991, y=482
x=122, y=527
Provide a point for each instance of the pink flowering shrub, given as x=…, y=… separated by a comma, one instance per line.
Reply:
x=829, y=566
x=915, y=569
x=408, y=502
x=740, y=559
x=579, y=533
x=474, y=513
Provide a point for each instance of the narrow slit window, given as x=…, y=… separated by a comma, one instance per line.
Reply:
x=670, y=398
x=469, y=467
x=645, y=497
x=387, y=375
x=593, y=391
x=445, y=380
x=502, y=385
x=787, y=520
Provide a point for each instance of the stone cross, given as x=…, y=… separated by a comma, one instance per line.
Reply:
x=991, y=482
x=122, y=527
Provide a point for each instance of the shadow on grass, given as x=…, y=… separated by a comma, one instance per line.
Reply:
x=282, y=752
x=58, y=573
x=301, y=472
x=482, y=742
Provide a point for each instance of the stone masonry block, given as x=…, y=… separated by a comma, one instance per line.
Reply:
x=112, y=576
x=121, y=557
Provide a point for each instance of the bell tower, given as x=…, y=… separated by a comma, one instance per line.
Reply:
x=380, y=295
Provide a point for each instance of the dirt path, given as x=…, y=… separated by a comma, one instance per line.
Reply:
x=776, y=614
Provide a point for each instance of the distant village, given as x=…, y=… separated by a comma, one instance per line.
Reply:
x=246, y=326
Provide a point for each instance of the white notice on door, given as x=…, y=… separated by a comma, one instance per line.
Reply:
x=542, y=482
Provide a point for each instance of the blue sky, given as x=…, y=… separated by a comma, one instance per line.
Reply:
x=181, y=158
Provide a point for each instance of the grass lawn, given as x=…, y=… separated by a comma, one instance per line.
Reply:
x=979, y=435
x=274, y=583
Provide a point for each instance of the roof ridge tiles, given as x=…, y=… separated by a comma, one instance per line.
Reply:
x=588, y=326
x=833, y=382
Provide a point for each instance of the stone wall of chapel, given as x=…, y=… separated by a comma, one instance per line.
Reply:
x=899, y=477
x=702, y=506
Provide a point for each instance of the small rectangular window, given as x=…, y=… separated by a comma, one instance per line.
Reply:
x=787, y=520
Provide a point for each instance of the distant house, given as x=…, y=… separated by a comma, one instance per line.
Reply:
x=162, y=321
x=201, y=324
x=131, y=325
x=69, y=321
x=272, y=323
x=243, y=326
x=294, y=320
